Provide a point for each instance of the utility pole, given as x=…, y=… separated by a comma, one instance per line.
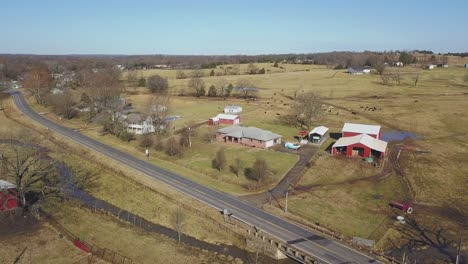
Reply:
x=286, y=206
x=287, y=190
x=189, y=137
x=457, y=261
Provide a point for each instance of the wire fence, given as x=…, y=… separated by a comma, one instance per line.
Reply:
x=100, y=252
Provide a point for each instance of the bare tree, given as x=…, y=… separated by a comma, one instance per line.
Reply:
x=103, y=87
x=222, y=84
x=180, y=74
x=252, y=69
x=31, y=170
x=158, y=109
x=237, y=166
x=132, y=78
x=246, y=88
x=39, y=82
x=173, y=148
x=157, y=84
x=63, y=104
x=219, y=162
x=260, y=170
x=178, y=220
x=197, y=73
x=416, y=79
x=305, y=111
x=198, y=85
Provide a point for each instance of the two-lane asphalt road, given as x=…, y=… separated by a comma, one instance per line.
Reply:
x=326, y=250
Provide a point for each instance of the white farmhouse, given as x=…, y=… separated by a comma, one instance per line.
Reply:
x=138, y=125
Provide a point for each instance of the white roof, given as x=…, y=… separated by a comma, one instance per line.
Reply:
x=360, y=128
x=225, y=116
x=364, y=139
x=321, y=130
x=234, y=107
x=6, y=185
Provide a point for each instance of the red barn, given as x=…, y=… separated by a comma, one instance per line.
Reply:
x=224, y=119
x=360, y=145
x=350, y=130
x=8, y=196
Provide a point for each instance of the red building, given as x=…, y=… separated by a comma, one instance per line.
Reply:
x=224, y=119
x=8, y=196
x=360, y=145
x=350, y=130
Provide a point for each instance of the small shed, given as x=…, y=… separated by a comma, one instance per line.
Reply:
x=466, y=65
x=8, y=196
x=351, y=129
x=232, y=109
x=225, y=119
x=361, y=145
x=359, y=70
x=318, y=134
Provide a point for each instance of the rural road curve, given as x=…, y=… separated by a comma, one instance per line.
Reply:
x=326, y=250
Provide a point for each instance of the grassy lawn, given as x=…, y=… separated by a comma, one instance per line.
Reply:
x=196, y=162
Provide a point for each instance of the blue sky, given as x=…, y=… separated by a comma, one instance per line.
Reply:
x=230, y=27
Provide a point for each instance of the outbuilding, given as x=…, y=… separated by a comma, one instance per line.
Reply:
x=351, y=129
x=360, y=145
x=225, y=119
x=232, y=109
x=318, y=134
x=359, y=70
x=8, y=196
x=466, y=65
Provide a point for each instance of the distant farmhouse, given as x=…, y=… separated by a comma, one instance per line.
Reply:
x=359, y=70
x=138, y=125
x=232, y=109
x=248, y=136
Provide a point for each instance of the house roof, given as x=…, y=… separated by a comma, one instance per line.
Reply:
x=364, y=139
x=321, y=130
x=248, y=132
x=360, y=128
x=233, y=107
x=133, y=118
x=6, y=185
x=225, y=116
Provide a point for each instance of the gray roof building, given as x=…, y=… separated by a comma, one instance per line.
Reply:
x=248, y=132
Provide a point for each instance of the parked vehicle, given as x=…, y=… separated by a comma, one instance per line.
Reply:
x=290, y=145
x=402, y=206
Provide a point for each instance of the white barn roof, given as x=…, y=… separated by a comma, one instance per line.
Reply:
x=321, y=130
x=364, y=139
x=360, y=128
x=233, y=107
x=225, y=116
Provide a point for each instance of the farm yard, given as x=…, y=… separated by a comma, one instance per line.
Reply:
x=345, y=195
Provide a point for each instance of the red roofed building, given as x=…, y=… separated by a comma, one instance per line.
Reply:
x=360, y=145
x=8, y=196
x=225, y=119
